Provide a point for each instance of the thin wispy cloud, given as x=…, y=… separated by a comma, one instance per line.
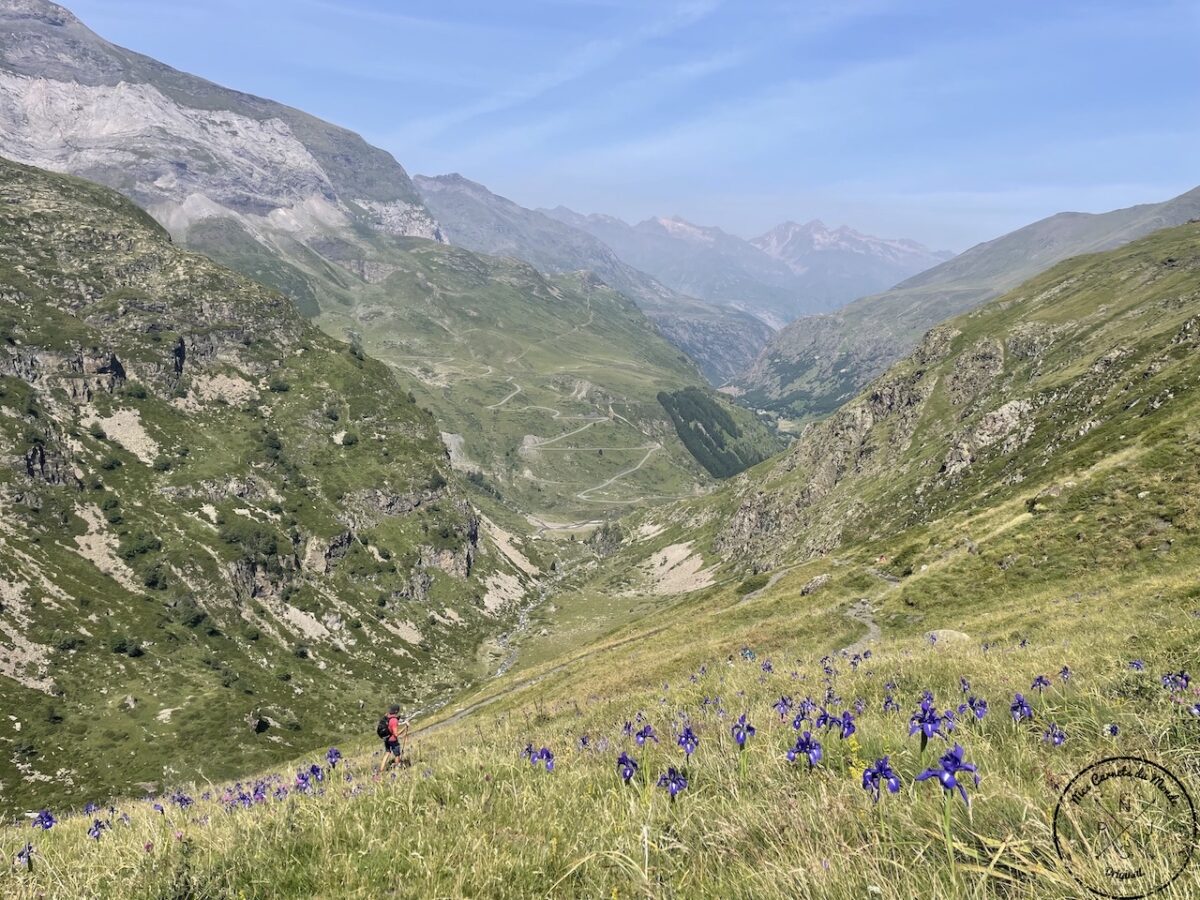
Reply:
x=572, y=64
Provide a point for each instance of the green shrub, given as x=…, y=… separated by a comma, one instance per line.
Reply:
x=137, y=543
x=255, y=540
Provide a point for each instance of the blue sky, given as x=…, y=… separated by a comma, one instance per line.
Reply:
x=948, y=122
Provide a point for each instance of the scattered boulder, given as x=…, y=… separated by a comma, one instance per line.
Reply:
x=947, y=636
x=815, y=584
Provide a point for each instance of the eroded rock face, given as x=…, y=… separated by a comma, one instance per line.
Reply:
x=1000, y=425
x=974, y=371
x=185, y=149
x=50, y=466
x=859, y=439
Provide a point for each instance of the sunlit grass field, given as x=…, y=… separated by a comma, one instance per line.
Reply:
x=472, y=816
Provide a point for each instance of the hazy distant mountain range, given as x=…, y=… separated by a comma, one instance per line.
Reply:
x=723, y=341
x=818, y=362
x=791, y=270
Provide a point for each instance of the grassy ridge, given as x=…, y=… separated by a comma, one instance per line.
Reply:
x=195, y=554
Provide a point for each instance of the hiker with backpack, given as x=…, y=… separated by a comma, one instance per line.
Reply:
x=394, y=733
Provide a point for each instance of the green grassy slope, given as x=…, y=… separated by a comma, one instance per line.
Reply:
x=1053, y=375
x=545, y=386
x=1073, y=544
x=221, y=529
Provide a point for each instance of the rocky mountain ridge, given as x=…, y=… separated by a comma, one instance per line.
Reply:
x=182, y=147
x=336, y=224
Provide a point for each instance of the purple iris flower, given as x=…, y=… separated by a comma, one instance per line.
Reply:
x=782, y=706
x=688, y=740
x=1176, y=681
x=1040, y=683
x=646, y=734
x=1054, y=735
x=949, y=767
x=824, y=720
x=964, y=685
x=846, y=723
x=767, y=667
x=628, y=729
x=97, y=829
x=860, y=706
x=976, y=705
x=1194, y=709
x=1020, y=709
x=627, y=766
x=878, y=775
x=333, y=757
x=807, y=746
x=90, y=808
x=673, y=781
x=44, y=820
x=1065, y=674
x=742, y=730
x=544, y=756
x=890, y=704
x=25, y=856
x=1137, y=665
x=927, y=721
x=1112, y=730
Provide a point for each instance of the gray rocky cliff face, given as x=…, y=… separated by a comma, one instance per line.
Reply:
x=182, y=147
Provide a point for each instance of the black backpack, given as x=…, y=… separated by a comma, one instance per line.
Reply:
x=383, y=729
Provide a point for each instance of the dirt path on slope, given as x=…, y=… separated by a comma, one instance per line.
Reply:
x=583, y=495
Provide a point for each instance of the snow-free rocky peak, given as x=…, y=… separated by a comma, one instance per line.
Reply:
x=181, y=146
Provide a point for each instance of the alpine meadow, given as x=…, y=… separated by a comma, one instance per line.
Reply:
x=374, y=535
